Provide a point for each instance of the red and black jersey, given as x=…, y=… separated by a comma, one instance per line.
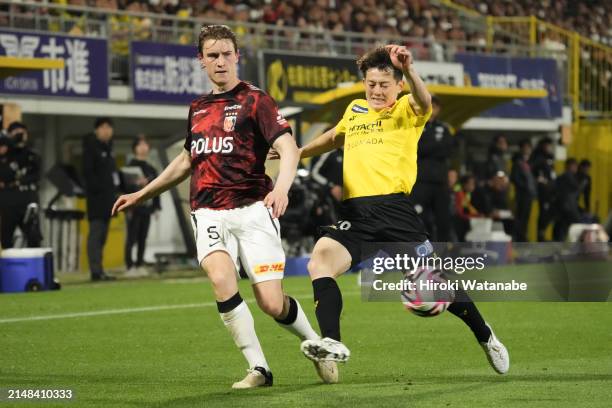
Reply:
x=229, y=136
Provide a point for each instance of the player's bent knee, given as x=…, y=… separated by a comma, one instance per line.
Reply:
x=271, y=308
x=319, y=269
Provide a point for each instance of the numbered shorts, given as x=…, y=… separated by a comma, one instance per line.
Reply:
x=248, y=234
x=384, y=218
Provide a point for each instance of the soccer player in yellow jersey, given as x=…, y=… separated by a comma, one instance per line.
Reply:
x=380, y=135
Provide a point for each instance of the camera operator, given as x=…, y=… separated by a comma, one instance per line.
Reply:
x=19, y=179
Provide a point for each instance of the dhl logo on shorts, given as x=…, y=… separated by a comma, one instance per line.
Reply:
x=265, y=268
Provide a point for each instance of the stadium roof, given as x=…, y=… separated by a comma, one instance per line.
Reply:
x=459, y=103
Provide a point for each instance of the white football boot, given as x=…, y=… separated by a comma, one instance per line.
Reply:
x=325, y=349
x=327, y=370
x=497, y=354
x=256, y=377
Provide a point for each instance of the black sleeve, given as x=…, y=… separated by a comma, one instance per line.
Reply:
x=90, y=174
x=427, y=143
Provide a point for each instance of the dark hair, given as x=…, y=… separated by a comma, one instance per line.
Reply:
x=465, y=178
x=585, y=163
x=570, y=162
x=524, y=142
x=16, y=125
x=137, y=140
x=378, y=58
x=216, y=32
x=103, y=121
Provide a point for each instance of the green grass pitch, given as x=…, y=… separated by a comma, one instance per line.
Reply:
x=161, y=343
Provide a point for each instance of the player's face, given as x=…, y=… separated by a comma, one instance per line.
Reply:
x=220, y=59
x=104, y=132
x=381, y=88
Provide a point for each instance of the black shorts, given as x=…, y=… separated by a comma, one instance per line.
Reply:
x=384, y=218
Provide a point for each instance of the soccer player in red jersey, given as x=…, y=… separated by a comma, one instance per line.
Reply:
x=235, y=206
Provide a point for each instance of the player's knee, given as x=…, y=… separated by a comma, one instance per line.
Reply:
x=271, y=307
x=220, y=281
x=317, y=268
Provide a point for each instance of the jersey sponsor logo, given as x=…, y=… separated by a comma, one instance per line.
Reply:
x=216, y=145
x=201, y=111
x=229, y=123
x=266, y=268
x=366, y=141
x=359, y=109
x=366, y=126
x=233, y=107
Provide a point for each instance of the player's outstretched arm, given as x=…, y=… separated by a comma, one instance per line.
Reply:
x=322, y=144
x=289, y=155
x=402, y=58
x=177, y=171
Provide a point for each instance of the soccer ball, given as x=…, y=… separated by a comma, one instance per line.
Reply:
x=422, y=300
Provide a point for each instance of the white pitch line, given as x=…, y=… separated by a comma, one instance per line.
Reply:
x=105, y=312
x=127, y=311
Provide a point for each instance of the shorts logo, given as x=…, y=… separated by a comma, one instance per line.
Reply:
x=230, y=122
x=424, y=249
x=344, y=225
x=359, y=109
x=265, y=268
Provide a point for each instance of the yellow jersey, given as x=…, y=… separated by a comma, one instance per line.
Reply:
x=380, y=148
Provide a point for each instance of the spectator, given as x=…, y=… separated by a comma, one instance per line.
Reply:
x=464, y=210
x=498, y=151
x=542, y=167
x=491, y=200
x=566, y=200
x=327, y=171
x=139, y=219
x=102, y=183
x=19, y=180
x=430, y=192
x=524, y=187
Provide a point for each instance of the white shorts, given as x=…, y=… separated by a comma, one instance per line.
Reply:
x=248, y=234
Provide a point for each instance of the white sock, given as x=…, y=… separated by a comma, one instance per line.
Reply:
x=301, y=326
x=239, y=321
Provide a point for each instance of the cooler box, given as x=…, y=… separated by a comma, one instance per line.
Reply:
x=26, y=270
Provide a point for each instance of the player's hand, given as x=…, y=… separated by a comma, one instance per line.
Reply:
x=126, y=201
x=273, y=155
x=336, y=192
x=277, y=201
x=401, y=57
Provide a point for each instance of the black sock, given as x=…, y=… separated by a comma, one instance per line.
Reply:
x=229, y=304
x=291, y=314
x=328, y=306
x=466, y=310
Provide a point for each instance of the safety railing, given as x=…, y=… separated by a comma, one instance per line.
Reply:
x=121, y=27
x=585, y=64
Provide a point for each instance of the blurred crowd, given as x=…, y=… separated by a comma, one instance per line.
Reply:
x=413, y=18
x=592, y=18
